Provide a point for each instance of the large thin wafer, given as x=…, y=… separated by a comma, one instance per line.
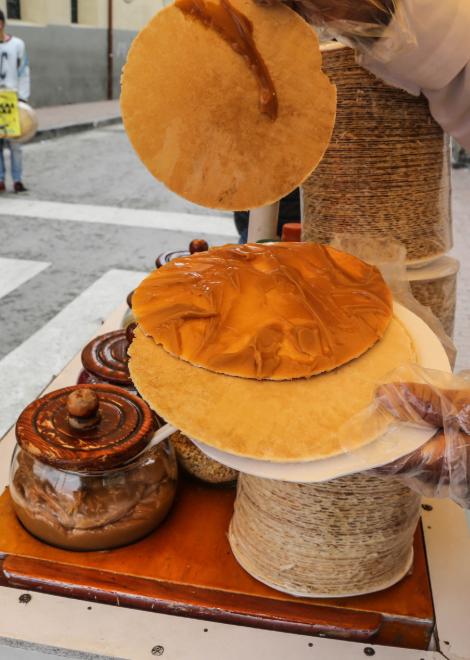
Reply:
x=299, y=420
x=190, y=106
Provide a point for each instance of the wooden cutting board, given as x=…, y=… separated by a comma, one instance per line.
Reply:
x=186, y=568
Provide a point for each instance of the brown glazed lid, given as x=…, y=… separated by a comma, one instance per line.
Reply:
x=85, y=427
x=196, y=245
x=166, y=257
x=106, y=357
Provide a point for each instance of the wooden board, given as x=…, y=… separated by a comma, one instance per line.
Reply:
x=186, y=568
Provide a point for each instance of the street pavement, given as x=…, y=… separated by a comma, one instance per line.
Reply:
x=97, y=167
x=85, y=234
x=75, y=116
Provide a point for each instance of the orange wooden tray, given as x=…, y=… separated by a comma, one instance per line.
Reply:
x=186, y=568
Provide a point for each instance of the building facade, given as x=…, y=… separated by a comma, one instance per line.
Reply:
x=76, y=48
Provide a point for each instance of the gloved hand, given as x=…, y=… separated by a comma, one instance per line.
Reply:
x=360, y=24
x=324, y=12
x=415, y=402
x=441, y=467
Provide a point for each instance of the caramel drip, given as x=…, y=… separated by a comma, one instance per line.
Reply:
x=280, y=311
x=237, y=30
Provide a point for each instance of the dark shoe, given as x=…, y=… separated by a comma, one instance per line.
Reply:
x=19, y=187
x=2, y=186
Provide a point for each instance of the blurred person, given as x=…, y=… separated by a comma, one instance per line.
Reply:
x=289, y=211
x=460, y=157
x=14, y=75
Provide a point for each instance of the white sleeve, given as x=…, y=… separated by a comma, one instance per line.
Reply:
x=450, y=106
x=437, y=64
x=24, y=85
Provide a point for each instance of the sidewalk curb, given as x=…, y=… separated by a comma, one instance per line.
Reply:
x=51, y=133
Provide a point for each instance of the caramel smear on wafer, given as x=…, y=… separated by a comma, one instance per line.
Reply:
x=280, y=311
x=237, y=30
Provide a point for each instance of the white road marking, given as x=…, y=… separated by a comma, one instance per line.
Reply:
x=29, y=367
x=15, y=272
x=110, y=215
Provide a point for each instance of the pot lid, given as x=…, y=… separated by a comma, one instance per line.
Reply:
x=196, y=245
x=86, y=427
x=106, y=357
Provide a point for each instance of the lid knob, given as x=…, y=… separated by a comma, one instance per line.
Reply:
x=130, y=332
x=129, y=299
x=83, y=408
x=198, y=245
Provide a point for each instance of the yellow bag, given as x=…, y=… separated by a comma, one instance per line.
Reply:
x=9, y=114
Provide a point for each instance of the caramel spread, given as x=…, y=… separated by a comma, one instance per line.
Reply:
x=237, y=30
x=280, y=311
x=93, y=512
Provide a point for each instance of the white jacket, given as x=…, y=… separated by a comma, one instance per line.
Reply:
x=436, y=64
x=14, y=67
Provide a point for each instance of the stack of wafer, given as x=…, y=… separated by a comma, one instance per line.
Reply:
x=385, y=174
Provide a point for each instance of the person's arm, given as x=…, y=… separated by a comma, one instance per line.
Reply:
x=24, y=85
x=323, y=12
x=359, y=11
x=416, y=45
x=436, y=62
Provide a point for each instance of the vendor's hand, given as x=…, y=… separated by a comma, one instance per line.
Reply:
x=415, y=402
x=427, y=462
x=442, y=465
x=328, y=11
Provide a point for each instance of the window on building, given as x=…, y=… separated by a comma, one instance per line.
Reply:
x=14, y=9
x=74, y=11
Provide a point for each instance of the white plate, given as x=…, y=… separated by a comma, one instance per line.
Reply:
x=389, y=447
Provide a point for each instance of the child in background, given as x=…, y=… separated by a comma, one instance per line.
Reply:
x=14, y=75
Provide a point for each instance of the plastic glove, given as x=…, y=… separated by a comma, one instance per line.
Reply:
x=441, y=467
x=370, y=12
x=360, y=17
x=357, y=23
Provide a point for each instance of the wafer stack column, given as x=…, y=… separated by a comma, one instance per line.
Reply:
x=349, y=536
x=386, y=174
x=435, y=286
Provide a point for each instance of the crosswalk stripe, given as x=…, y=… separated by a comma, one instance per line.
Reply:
x=219, y=225
x=15, y=272
x=29, y=367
